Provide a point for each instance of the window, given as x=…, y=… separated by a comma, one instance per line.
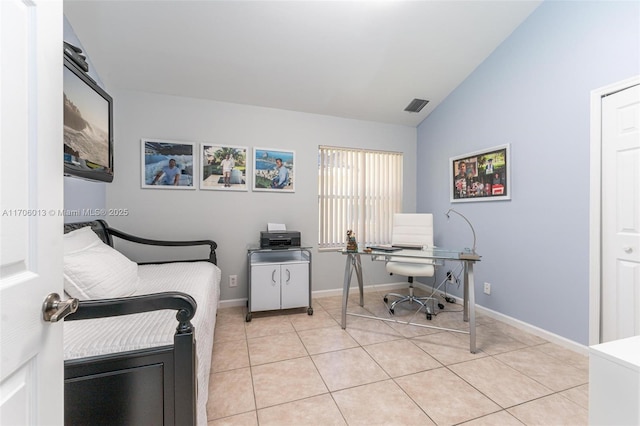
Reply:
x=358, y=190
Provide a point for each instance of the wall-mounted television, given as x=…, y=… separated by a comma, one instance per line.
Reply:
x=88, y=126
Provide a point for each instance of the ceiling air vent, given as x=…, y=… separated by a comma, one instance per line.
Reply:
x=416, y=105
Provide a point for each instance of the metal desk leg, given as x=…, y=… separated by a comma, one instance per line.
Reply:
x=471, y=304
x=358, y=266
x=353, y=262
x=465, y=293
x=345, y=288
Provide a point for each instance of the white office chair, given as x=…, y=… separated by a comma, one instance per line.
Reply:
x=411, y=229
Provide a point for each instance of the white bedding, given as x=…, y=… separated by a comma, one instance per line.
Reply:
x=101, y=336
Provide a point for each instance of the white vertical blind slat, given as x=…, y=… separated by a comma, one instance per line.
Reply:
x=358, y=190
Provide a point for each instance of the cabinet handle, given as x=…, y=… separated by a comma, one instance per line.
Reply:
x=273, y=277
x=288, y=276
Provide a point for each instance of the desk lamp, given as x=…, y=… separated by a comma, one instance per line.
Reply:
x=466, y=255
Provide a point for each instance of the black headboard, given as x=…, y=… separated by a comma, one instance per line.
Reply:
x=99, y=226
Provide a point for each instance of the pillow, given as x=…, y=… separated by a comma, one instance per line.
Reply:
x=94, y=270
x=79, y=239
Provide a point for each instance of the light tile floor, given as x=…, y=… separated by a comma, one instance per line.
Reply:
x=290, y=368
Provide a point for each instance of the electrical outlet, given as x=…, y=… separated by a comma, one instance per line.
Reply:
x=450, y=277
x=233, y=281
x=487, y=288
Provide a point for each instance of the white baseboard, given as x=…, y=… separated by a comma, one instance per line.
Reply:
x=544, y=334
x=354, y=289
x=321, y=293
x=232, y=303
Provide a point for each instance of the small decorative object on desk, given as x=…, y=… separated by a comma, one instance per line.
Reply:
x=352, y=244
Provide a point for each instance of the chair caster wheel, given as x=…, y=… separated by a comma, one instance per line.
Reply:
x=385, y=300
x=429, y=316
x=440, y=305
x=391, y=311
x=248, y=318
x=310, y=311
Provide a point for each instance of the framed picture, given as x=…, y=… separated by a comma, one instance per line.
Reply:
x=273, y=170
x=167, y=164
x=481, y=176
x=223, y=167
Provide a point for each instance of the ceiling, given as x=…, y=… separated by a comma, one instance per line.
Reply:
x=355, y=59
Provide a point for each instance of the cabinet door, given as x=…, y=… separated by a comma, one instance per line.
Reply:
x=265, y=287
x=295, y=285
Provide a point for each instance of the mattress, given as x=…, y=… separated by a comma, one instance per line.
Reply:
x=201, y=280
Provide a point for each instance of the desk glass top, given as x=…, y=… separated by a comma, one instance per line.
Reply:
x=426, y=253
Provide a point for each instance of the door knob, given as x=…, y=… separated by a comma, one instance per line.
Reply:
x=54, y=309
x=628, y=250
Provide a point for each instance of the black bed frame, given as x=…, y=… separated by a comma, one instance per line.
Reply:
x=155, y=386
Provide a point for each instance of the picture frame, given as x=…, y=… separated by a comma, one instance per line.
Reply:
x=157, y=171
x=266, y=175
x=481, y=176
x=217, y=172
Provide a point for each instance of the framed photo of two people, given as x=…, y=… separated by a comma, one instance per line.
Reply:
x=481, y=175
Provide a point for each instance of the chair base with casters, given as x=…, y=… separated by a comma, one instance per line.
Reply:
x=423, y=301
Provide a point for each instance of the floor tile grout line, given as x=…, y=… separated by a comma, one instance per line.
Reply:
x=527, y=345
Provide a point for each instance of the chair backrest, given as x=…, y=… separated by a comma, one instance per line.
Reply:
x=413, y=229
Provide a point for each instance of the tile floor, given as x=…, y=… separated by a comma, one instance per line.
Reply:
x=296, y=369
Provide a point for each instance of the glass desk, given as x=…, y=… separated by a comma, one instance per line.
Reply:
x=468, y=259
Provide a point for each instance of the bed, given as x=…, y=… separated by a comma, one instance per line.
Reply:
x=142, y=358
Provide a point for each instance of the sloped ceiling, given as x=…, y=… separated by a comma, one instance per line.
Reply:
x=355, y=59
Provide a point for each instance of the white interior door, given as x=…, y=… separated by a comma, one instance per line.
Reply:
x=620, y=295
x=31, y=367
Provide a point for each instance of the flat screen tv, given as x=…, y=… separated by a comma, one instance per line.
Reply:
x=88, y=127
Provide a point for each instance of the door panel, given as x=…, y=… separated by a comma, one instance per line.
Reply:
x=31, y=367
x=265, y=287
x=295, y=285
x=621, y=215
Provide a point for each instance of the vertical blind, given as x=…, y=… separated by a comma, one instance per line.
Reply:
x=359, y=190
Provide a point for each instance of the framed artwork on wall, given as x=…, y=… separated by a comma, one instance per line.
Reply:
x=481, y=176
x=224, y=167
x=273, y=170
x=167, y=164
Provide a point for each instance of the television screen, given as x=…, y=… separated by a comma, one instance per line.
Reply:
x=88, y=127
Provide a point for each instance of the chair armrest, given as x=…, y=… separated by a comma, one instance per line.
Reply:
x=212, y=244
x=181, y=302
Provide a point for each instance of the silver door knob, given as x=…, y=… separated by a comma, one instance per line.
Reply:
x=54, y=309
x=628, y=250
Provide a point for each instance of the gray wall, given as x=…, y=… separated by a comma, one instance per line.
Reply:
x=234, y=219
x=532, y=92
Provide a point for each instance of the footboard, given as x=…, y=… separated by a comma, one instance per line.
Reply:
x=125, y=389
x=155, y=386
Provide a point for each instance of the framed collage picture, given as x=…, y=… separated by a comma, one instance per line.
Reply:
x=223, y=167
x=481, y=176
x=274, y=170
x=167, y=164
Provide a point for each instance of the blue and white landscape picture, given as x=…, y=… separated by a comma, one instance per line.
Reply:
x=273, y=170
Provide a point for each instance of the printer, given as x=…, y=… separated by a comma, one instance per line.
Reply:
x=279, y=239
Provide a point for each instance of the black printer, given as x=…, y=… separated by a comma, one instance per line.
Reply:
x=279, y=239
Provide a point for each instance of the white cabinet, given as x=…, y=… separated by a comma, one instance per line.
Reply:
x=614, y=382
x=279, y=279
